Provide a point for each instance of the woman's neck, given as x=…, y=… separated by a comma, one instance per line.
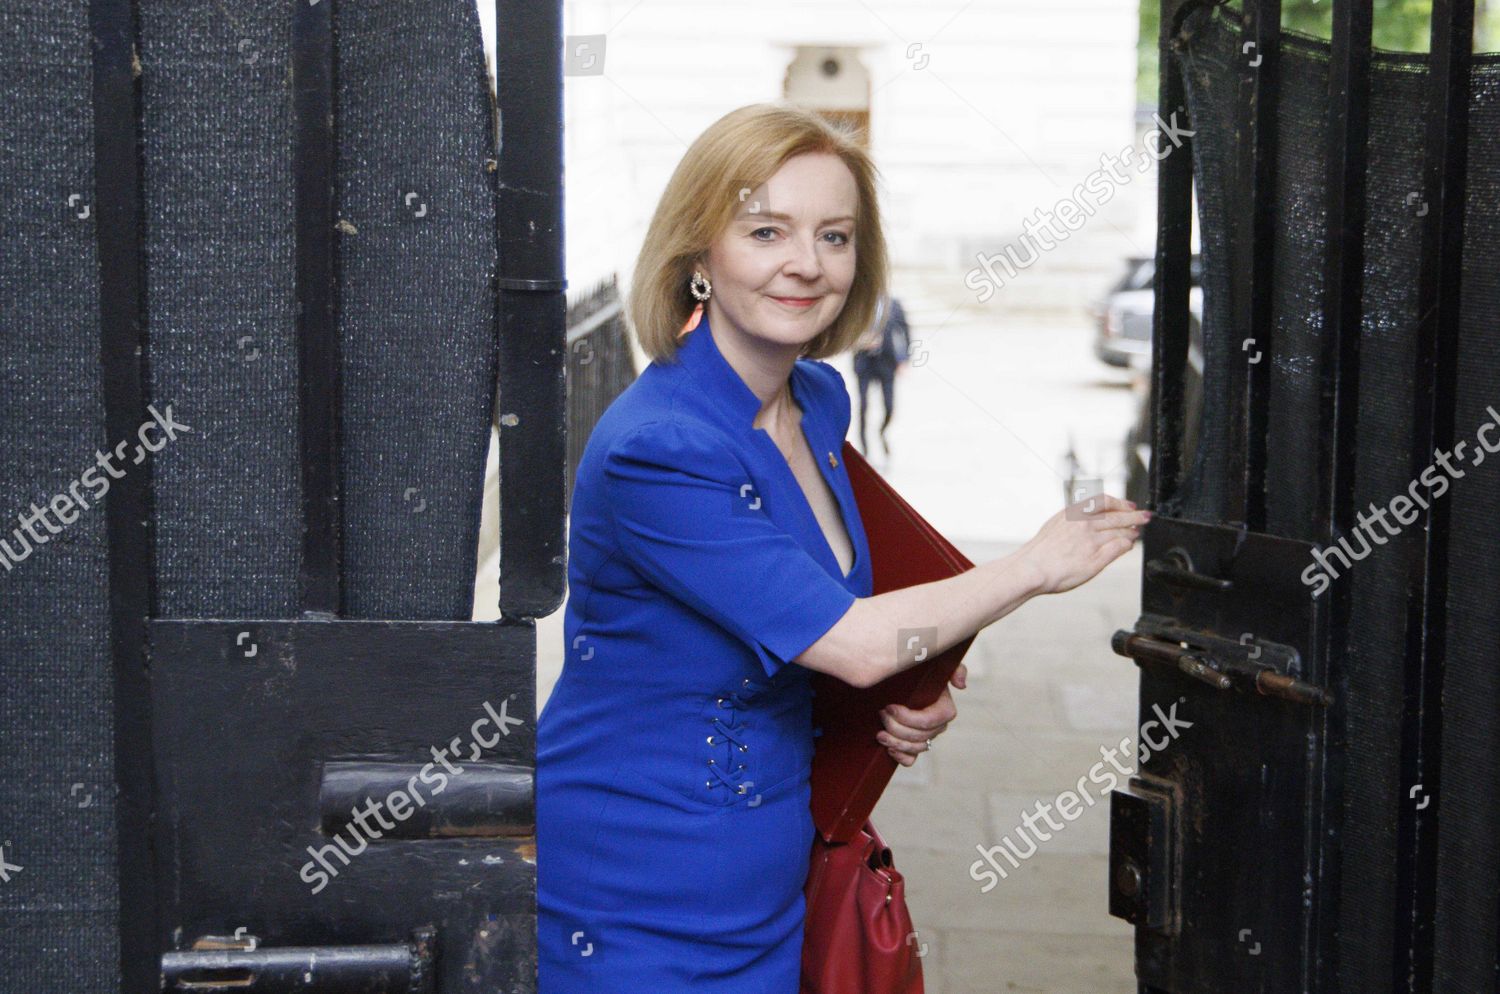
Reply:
x=767, y=371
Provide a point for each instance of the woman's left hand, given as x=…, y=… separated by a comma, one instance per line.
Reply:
x=907, y=731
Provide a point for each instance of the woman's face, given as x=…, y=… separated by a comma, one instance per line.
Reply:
x=782, y=274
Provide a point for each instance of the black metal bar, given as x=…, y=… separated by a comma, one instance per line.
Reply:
x=1445, y=173
x=1176, y=568
x=118, y=203
x=313, y=163
x=1343, y=318
x=487, y=800
x=1343, y=282
x=1170, y=318
x=532, y=396
x=238, y=965
x=1253, y=271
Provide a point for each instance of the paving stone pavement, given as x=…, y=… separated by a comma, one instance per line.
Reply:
x=1045, y=693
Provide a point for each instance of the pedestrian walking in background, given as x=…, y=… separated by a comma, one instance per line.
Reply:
x=880, y=353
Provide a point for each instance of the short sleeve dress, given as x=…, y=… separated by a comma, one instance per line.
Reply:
x=673, y=757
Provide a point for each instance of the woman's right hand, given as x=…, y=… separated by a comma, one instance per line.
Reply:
x=1068, y=551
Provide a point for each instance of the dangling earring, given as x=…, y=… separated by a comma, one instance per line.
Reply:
x=701, y=288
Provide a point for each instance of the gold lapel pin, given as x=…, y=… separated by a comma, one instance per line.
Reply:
x=832, y=461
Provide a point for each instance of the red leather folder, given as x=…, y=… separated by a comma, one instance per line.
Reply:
x=850, y=767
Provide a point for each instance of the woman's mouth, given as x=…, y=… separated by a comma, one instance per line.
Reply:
x=797, y=302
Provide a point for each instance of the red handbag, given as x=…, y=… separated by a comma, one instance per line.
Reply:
x=858, y=936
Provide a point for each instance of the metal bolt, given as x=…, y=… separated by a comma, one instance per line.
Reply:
x=1128, y=879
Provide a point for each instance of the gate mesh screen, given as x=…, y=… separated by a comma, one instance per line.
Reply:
x=1469, y=870
x=417, y=324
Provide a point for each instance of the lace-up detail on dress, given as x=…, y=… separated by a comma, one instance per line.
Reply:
x=725, y=765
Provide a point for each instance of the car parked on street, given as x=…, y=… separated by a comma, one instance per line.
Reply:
x=1122, y=319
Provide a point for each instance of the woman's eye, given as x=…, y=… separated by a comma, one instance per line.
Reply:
x=839, y=237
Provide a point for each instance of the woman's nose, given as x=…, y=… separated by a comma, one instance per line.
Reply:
x=803, y=259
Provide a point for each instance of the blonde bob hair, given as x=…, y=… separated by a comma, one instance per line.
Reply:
x=744, y=148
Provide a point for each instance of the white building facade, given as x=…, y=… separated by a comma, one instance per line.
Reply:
x=983, y=116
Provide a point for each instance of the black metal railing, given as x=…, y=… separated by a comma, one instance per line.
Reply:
x=600, y=364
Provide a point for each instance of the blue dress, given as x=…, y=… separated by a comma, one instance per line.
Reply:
x=672, y=819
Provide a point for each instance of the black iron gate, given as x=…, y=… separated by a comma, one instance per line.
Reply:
x=1319, y=587
x=272, y=272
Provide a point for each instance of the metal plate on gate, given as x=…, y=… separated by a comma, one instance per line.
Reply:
x=266, y=731
x=1214, y=842
x=1143, y=886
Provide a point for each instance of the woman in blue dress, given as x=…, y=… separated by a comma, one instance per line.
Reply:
x=716, y=558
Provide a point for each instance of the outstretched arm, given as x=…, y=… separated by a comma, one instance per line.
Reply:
x=865, y=646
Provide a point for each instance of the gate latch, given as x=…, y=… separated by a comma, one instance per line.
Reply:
x=1218, y=666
